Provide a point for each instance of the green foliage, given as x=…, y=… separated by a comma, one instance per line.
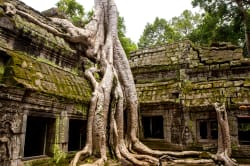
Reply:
x=157, y=33
x=186, y=22
x=127, y=44
x=74, y=11
x=223, y=21
x=205, y=32
x=211, y=31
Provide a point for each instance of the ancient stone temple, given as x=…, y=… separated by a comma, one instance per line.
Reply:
x=177, y=85
x=44, y=96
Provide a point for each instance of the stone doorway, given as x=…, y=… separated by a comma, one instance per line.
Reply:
x=153, y=127
x=39, y=138
x=244, y=131
x=207, y=129
x=77, y=134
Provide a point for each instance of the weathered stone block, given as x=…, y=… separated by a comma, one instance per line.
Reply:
x=246, y=83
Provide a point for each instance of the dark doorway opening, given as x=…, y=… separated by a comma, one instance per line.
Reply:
x=153, y=127
x=208, y=129
x=39, y=136
x=77, y=134
x=213, y=129
x=4, y=58
x=244, y=131
x=203, y=130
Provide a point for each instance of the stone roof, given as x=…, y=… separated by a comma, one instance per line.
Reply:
x=24, y=71
x=38, y=57
x=21, y=33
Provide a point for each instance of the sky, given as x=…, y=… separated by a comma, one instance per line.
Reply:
x=137, y=13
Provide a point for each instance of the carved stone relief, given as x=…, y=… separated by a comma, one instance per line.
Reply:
x=10, y=129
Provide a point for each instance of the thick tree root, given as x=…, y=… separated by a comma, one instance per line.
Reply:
x=114, y=91
x=224, y=141
x=85, y=152
x=98, y=162
x=224, y=159
x=141, y=148
x=193, y=161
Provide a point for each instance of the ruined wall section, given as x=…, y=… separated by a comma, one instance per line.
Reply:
x=31, y=57
x=222, y=76
x=157, y=76
x=41, y=84
x=216, y=74
x=181, y=72
x=20, y=33
x=157, y=72
x=186, y=80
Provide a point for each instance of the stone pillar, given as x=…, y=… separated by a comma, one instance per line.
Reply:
x=23, y=132
x=64, y=131
x=167, y=124
x=189, y=129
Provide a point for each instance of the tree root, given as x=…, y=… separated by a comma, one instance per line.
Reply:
x=141, y=148
x=224, y=159
x=114, y=91
x=147, y=158
x=86, y=152
x=193, y=161
x=98, y=162
x=130, y=157
x=167, y=158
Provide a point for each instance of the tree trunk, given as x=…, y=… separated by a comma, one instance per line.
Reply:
x=114, y=92
x=224, y=141
x=246, y=22
x=247, y=36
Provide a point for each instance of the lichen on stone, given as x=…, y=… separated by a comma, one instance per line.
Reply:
x=33, y=74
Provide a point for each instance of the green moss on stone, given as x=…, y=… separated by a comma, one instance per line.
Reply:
x=205, y=155
x=59, y=155
x=43, y=36
x=186, y=86
x=43, y=77
x=154, y=68
x=195, y=146
x=1, y=9
x=47, y=162
x=246, y=83
x=1, y=71
x=43, y=161
x=83, y=108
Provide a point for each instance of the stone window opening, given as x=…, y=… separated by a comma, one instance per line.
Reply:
x=39, y=137
x=244, y=131
x=153, y=127
x=175, y=95
x=3, y=60
x=77, y=134
x=207, y=129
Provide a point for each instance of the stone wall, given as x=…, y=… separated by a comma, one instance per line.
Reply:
x=42, y=90
x=41, y=80
x=185, y=80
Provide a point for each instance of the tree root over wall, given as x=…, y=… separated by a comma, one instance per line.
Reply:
x=114, y=95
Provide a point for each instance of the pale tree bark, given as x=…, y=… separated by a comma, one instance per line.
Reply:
x=114, y=94
x=224, y=141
